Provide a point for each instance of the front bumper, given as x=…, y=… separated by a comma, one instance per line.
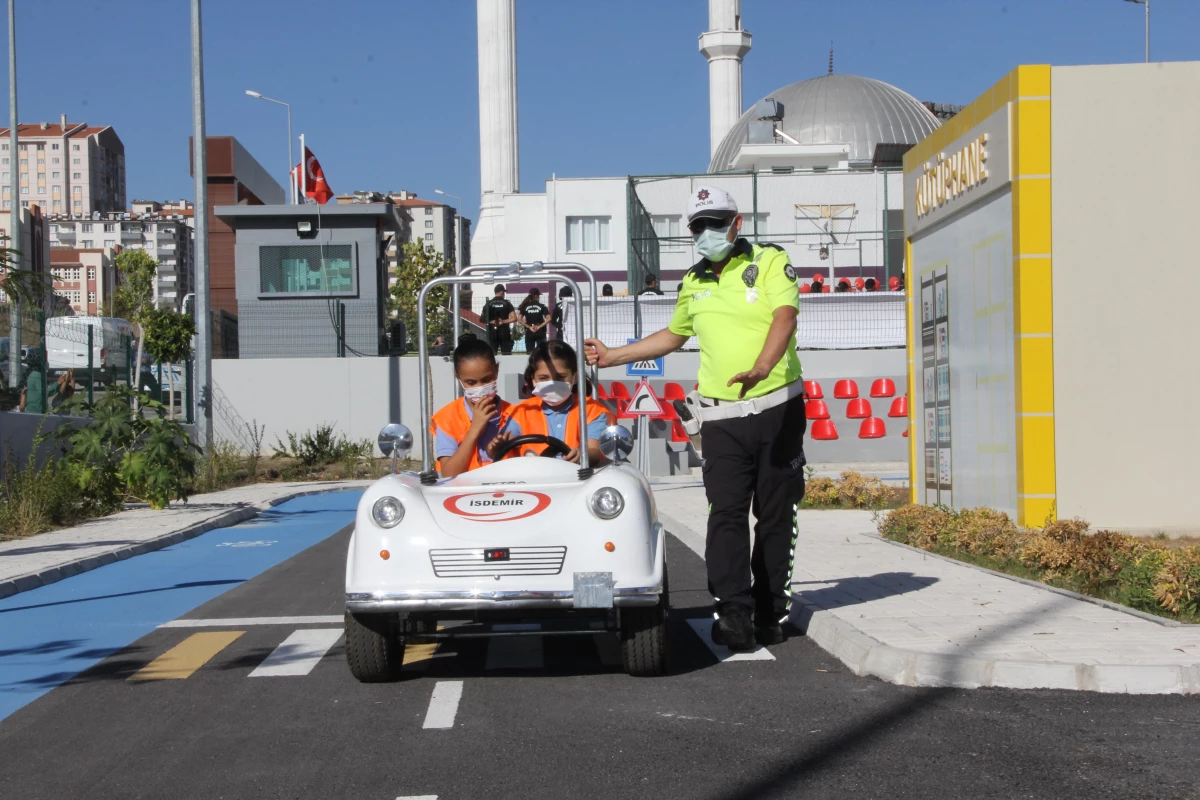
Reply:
x=367, y=602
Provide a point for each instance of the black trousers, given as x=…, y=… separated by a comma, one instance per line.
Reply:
x=757, y=463
x=532, y=340
x=500, y=338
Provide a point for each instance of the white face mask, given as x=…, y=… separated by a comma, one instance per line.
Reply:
x=480, y=392
x=711, y=243
x=553, y=392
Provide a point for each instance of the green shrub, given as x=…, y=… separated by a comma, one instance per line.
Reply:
x=35, y=499
x=322, y=447
x=850, y=490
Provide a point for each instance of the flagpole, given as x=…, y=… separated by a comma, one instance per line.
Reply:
x=303, y=171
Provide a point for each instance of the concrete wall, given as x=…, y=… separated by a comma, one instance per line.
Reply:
x=1126, y=179
x=361, y=395
x=17, y=432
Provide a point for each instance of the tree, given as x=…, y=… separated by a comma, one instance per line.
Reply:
x=168, y=339
x=419, y=265
x=134, y=298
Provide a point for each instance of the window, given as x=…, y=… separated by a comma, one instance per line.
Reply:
x=54, y=146
x=24, y=162
x=75, y=148
x=429, y=211
x=40, y=146
x=110, y=242
x=55, y=175
x=77, y=191
x=75, y=161
x=91, y=273
x=5, y=162
x=85, y=227
x=428, y=223
x=92, y=298
x=77, y=205
x=24, y=190
x=306, y=269
x=667, y=229
x=8, y=176
x=52, y=161
x=86, y=244
x=4, y=147
x=77, y=176
x=587, y=234
x=57, y=207
x=110, y=227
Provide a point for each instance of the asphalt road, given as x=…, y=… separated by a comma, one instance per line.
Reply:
x=272, y=711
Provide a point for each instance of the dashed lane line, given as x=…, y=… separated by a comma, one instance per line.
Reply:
x=418, y=797
x=240, y=622
x=703, y=629
x=186, y=657
x=299, y=653
x=443, y=704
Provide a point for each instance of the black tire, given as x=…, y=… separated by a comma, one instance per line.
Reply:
x=374, y=649
x=645, y=650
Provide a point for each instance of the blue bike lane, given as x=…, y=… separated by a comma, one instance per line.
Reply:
x=51, y=634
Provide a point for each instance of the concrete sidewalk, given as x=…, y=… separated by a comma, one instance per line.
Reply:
x=38, y=560
x=916, y=619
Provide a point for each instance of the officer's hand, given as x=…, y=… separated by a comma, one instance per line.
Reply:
x=749, y=379
x=596, y=353
x=496, y=441
x=572, y=456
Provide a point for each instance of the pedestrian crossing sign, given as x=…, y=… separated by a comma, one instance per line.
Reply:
x=653, y=368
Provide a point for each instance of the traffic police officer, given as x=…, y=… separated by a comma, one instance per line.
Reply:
x=499, y=314
x=740, y=301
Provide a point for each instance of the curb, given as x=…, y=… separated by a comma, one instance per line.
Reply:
x=866, y=656
x=240, y=513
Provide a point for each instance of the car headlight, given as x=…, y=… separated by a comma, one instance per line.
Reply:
x=387, y=512
x=607, y=503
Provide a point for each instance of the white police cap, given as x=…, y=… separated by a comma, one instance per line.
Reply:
x=710, y=201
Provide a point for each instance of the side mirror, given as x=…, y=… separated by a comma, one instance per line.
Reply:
x=395, y=440
x=616, y=443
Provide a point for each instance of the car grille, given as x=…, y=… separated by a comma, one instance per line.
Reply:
x=467, y=562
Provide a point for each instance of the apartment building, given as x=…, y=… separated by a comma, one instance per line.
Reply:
x=33, y=253
x=65, y=167
x=433, y=224
x=85, y=277
x=163, y=233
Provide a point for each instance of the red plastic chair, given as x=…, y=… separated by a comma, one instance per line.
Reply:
x=844, y=390
x=883, y=387
x=805, y=288
x=678, y=434
x=600, y=393
x=816, y=409
x=858, y=408
x=813, y=390
x=872, y=428
x=894, y=283
x=620, y=392
x=899, y=407
x=859, y=284
x=824, y=430
x=672, y=392
x=905, y=434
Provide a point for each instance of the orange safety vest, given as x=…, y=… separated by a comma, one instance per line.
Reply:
x=532, y=419
x=452, y=420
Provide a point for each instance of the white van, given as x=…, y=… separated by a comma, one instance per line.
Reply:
x=66, y=346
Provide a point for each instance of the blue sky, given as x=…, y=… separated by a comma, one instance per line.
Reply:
x=386, y=90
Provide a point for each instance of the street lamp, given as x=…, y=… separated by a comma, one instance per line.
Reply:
x=291, y=185
x=1146, y=3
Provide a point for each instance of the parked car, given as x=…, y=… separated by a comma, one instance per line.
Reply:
x=66, y=345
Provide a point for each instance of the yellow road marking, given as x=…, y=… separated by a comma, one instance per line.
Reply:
x=186, y=657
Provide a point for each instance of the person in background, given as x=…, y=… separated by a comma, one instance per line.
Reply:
x=466, y=430
x=606, y=290
x=818, y=284
x=556, y=318
x=534, y=317
x=842, y=286
x=870, y=285
x=499, y=315
x=651, y=285
x=439, y=347
x=551, y=411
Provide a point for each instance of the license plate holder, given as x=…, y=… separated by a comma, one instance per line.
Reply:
x=593, y=590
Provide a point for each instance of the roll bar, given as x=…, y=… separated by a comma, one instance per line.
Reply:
x=556, y=266
x=515, y=270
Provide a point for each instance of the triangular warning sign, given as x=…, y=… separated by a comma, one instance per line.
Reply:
x=644, y=402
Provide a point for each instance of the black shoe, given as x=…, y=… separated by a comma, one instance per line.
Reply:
x=769, y=634
x=734, y=630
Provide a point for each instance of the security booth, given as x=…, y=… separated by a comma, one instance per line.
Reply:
x=1051, y=270
x=312, y=280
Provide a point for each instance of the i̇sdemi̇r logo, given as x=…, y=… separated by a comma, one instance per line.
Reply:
x=497, y=506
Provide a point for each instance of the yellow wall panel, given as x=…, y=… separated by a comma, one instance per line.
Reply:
x=1031, y=217
x=1035, y=455
x=1031, y=144
x=1034, y=375
x=1031, y=80
x=1032, y=295
x=1034, y=512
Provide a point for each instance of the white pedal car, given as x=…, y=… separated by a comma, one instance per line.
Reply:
x=577, y=550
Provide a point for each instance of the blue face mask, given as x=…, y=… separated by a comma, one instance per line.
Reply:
x=711, y=243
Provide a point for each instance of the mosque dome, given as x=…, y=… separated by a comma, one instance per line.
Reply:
x=838, y=109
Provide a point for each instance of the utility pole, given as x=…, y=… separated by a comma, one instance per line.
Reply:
x=1145, y=3
x=204, y=393
x=14, y=194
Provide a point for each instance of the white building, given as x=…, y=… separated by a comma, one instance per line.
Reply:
x=65, y=167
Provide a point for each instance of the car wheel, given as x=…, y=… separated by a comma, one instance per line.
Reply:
x=644, y=645
x=374, y=650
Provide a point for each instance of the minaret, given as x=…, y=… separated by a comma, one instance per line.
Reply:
x=498, y=166
x=723, y=45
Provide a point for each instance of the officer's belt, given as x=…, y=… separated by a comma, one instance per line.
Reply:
x=712, y=410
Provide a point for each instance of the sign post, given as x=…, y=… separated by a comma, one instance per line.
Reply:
x=644, y=405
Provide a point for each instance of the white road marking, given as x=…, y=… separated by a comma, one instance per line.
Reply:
x=239, y=622
x=443, y=705
x=418, y=797
x=298, y=654
x=703, y=629
x=515, y=652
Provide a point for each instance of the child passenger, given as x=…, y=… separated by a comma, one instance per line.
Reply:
x=465, y=431
x=551, y=411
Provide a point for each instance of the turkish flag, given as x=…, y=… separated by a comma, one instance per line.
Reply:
x=314, y=184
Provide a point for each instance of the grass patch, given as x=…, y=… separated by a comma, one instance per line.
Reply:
x=1145, y=574
x=851, y=490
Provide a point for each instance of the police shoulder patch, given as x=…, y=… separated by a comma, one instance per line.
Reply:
x=790, y=271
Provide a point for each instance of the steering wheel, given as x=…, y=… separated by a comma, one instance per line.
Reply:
x=554, y=447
